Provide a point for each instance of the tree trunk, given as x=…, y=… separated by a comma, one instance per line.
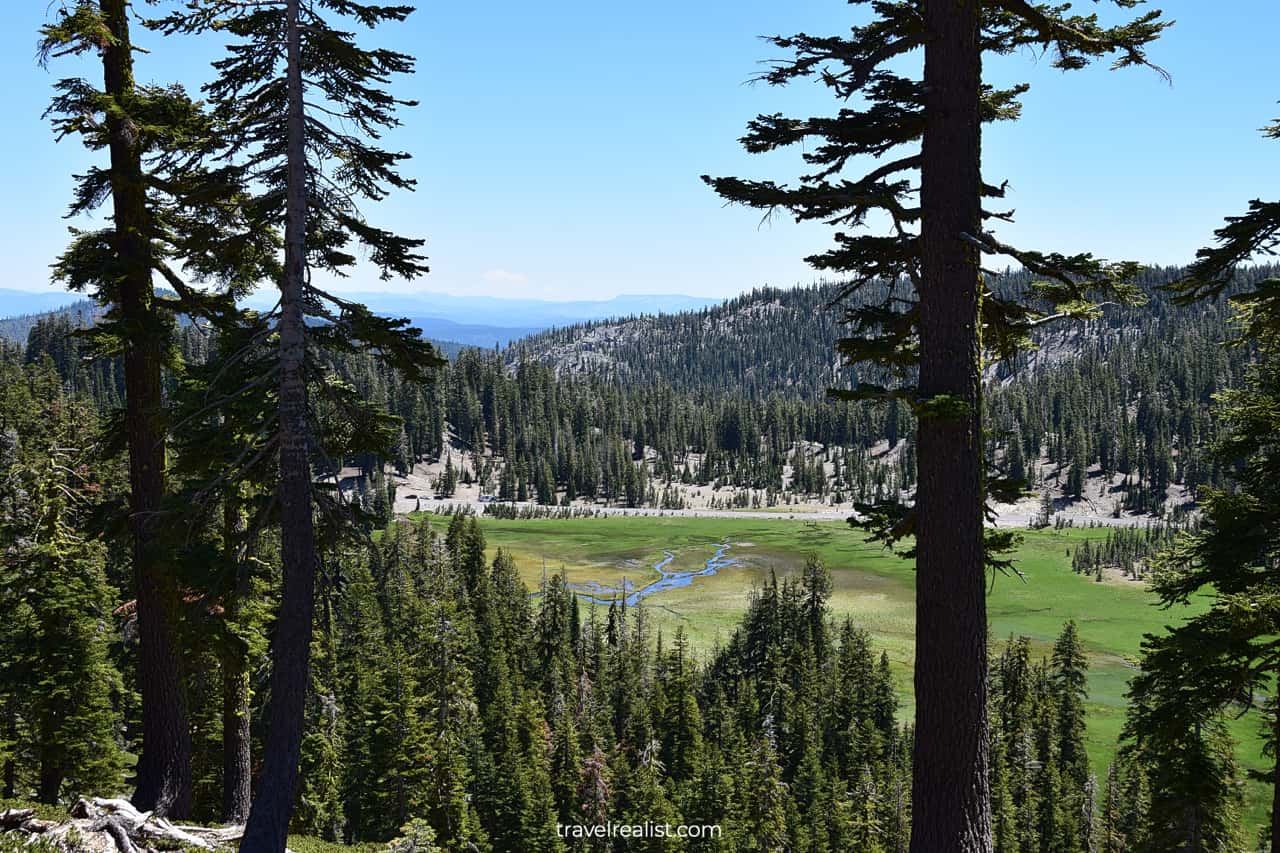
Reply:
x=235, y=739
x=51, y=777
x=10, y=790
x=164, y=767
x=951, y=808
x=236, y=766
x=291, y=646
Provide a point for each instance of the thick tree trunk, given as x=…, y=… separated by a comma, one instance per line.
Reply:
x=164, y=768
x=236, y=765
x=51, y=777
x=269, y=818
x=951, y=808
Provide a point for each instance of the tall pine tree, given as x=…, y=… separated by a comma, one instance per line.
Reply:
x=933, y=303
x=300, y=100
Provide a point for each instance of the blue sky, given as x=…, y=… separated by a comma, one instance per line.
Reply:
x=558, y=144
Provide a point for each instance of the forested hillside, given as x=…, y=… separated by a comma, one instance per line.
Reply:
x=15, y=328
x=767, y=341
x=1109, y=416
x=1119, y=404
x=782, y=340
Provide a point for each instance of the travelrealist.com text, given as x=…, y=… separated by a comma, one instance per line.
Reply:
x=638, y=830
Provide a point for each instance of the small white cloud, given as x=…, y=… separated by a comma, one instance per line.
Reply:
x=505, y=276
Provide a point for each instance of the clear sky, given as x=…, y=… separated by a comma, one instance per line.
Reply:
x=558, y=144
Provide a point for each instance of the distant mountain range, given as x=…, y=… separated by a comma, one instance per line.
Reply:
x=16, y=325
x=481, y=321
x=16, y=303
x=509, y=313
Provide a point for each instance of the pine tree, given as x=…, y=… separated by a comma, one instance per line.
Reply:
x=933, y=253
x=1109, y=835
x=279, y=48
x=1195, y=791
x=1003, y=827
x=1136, y=797
x=566, y=760
x=1015, y=463
x=362, y=690
x=448, y=478
x=536, y=828
x=810, y=790
x=223, y=491
x=680, y=726
x=1231, y=647
x=764, y=799
x=319, y=807
x=450, y=722
x=244, y=619
x=1078, y=460
x=56, y=589
x=118, y=263
x=1070, y=690
x=1053, y=829
x=815, y=581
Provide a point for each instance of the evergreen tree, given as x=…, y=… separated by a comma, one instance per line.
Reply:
x=133, y=123
x=680, y=721
x=361, y=674
x=56, y=592
x=450, y=723
x=1070, y=690
x=1231, y=647
x=222, y=494
x=286, y=142
x=448, y=478
x=1109, y=835
x=319, y=807
x=1078, y=460
x=1194, y=784
x=933, y=253
x=764, y=800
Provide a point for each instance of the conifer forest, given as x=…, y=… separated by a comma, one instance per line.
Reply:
x=968, y=543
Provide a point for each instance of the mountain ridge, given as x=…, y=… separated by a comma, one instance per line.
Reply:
x=451, y=319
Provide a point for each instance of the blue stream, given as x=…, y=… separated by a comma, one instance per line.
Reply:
x=602, y=594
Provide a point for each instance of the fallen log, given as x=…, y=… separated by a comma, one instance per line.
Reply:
x=112, y=825
x=115, y=828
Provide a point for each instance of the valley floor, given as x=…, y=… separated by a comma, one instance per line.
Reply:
x=1097, y=506
x=414, y=498
x=621, y=549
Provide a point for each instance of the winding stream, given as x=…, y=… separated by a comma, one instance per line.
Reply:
x=631, y=595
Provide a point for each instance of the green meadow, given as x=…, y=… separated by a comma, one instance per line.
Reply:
x=873, y=587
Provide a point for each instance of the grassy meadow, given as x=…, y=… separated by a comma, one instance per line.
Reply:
x=871, y=585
